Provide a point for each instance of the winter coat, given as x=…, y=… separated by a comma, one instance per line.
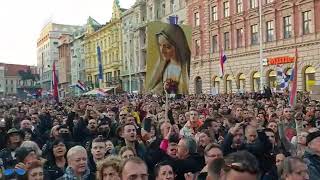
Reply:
x=313, y=163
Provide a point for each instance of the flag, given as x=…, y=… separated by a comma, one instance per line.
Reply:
x=173, y=19
x=282, y=79
x=294, y=74
x=55, y=83
x=27, y=92
x=81, y=86
x=223, y=59
x=100, y=64
x=100, y=92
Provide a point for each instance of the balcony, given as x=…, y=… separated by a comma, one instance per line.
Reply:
x=113, y=81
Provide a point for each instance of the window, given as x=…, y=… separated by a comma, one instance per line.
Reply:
x=163, y=9
x=11, y=81
x=6, y=81
x=214, y=44
x=150, y=12
x=253, y=4
x=239, y=37
x=214, y=14
x=226, y=41
x=254, y=34
x=306, y=17
x=197, y=47
x=197, y=19
x=239, y=6
x=287, y=27
x=269, y=1
x=226, y=9
x=270, y=31
x=171, y=6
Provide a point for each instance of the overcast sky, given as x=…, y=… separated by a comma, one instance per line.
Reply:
x=22, y=20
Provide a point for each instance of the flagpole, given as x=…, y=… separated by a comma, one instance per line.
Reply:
x=260, y=49
x=210, y=73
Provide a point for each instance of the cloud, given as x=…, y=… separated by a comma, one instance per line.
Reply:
x=22, y=21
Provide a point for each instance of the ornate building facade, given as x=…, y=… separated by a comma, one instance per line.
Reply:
x=108, y=37
x=232, y=27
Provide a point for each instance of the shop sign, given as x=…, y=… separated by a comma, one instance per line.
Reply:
x=280, y=60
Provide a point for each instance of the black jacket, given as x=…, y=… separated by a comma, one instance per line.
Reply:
x=7, y=159
x=313, y=163
x=261, y=149
x=194, y=163
x=52, y=171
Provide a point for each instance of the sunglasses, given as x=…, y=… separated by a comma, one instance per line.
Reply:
x=8, y=172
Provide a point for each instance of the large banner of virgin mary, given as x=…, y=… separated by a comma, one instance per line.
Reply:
x=168, y=58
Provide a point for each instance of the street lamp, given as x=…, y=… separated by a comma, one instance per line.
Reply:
x=260, y=48
x=130, y=41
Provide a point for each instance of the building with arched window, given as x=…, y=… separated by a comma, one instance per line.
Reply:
x=232, y=28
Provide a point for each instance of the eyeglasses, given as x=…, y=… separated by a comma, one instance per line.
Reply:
x=8, y=172
x=122, y=114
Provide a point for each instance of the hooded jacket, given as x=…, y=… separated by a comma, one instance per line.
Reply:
x=175, y=35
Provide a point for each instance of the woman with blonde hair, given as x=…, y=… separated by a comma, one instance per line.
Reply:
x=109, y=169
x=172, y=69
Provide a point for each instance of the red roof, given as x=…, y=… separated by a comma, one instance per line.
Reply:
x=13, y=69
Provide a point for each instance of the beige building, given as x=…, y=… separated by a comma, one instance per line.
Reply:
x=47, y=50
x=64, y=62
x=233, y=27
x=108, y=38
x=11, y=79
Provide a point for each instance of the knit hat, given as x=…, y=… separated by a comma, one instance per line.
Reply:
x=312, y=136
x=22, y=153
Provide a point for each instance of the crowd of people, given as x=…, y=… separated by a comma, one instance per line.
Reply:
x=131, y=137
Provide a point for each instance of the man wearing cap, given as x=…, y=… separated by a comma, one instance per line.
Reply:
x=14, y=139
x=312, y=155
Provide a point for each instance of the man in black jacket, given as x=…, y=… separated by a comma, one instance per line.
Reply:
x=256, y=142
x=188, y=159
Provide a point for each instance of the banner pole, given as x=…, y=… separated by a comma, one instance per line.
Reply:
x=166, y=107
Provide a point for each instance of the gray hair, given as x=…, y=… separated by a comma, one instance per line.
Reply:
x=75, y=150
x=32, y=145
x=191, y=144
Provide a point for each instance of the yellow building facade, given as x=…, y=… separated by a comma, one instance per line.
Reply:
x=108, y=38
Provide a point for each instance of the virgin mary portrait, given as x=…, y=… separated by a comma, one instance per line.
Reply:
x=172, y=70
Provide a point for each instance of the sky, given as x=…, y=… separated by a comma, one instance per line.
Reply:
x=22, y=20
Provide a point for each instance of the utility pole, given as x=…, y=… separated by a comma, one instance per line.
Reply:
x=260, y=48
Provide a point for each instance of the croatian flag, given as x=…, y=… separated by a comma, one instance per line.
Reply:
x=55, y=83
x=81, y=86
x=293, y=78
x=223, y=59
x=100, y=92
